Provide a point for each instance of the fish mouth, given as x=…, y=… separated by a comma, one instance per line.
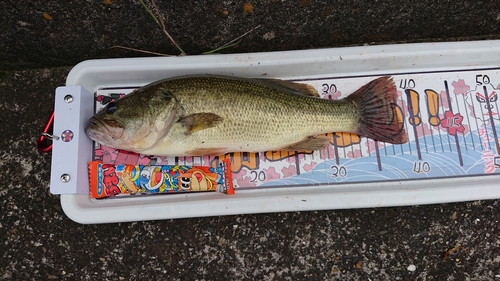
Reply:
x=103, y=129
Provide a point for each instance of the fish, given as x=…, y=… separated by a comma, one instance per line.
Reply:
x=214, y=115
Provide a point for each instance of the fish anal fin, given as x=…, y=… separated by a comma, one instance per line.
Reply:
x=309, y=143
x=299, y=88
x=200, y=121
x=207, y=151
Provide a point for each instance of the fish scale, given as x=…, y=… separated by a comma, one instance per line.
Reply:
x=253, y=112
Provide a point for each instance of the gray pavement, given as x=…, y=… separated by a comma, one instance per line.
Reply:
x=42, y=40
x=62, y=33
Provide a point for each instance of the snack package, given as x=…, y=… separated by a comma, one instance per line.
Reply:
x=114, y=179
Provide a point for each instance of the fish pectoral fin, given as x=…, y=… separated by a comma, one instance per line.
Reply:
x=200, y=121
x=303, y=89
x=310, y=143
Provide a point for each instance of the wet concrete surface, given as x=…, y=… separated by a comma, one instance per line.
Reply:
x=42, y=40
x=457, y=241
x=38, y=34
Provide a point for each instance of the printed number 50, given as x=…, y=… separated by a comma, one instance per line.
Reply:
x=485, y=79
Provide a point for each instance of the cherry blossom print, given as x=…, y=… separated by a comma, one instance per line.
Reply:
x=453, y=123
x=289, y=171
x=460, y=88
x=105, y=154
x=271, y=174
x=242, y=180
x=309, y=167
x=371, y=145
x=333, y=96
x=443, y=99
x=354, y=154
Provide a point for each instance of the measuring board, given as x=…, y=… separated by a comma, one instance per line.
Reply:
x=451, y=119
x=447, y=97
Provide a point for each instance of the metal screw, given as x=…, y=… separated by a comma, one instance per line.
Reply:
x=68, y=98
x=65, y=178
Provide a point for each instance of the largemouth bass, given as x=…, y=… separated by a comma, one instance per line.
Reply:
x=214, y=115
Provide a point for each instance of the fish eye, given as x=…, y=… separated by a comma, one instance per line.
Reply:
x=111, y=108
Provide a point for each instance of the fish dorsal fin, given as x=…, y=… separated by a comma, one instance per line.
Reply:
x=299, y=88
x=200, y=121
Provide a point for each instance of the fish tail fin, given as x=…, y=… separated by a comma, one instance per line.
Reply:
x=380, y=118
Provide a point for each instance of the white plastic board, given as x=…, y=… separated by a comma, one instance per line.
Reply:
x=448, y=96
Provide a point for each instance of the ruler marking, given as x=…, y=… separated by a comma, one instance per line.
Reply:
x=328, y=152
x=336, y=149
x=425, y=139
x=459, y=152
x=405, y=125
x=379, y=161
x=492, y=120
x=343, y=147
x=470, y=125
x=473, y=107
x=485, y=124
x=463, y=133
x=439, y=126
x=297, y=162
x=433, y=141
x=412, y=117
x=430, y=125
x=360, y=150
x=498, y=112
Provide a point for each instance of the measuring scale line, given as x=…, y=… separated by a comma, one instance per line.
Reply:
x=492, y=121
x=473, y=109
x=413, y=118
x=463, y=121
x=336, y=149
x=469, y=122
x=297, y=164
x=459, y=151
x=377, y=152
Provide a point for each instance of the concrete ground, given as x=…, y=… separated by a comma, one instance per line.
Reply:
x=42, y=40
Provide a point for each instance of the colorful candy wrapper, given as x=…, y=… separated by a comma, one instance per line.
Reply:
x=114, y=179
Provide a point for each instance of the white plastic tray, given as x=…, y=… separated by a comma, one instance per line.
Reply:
x=457, y=59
